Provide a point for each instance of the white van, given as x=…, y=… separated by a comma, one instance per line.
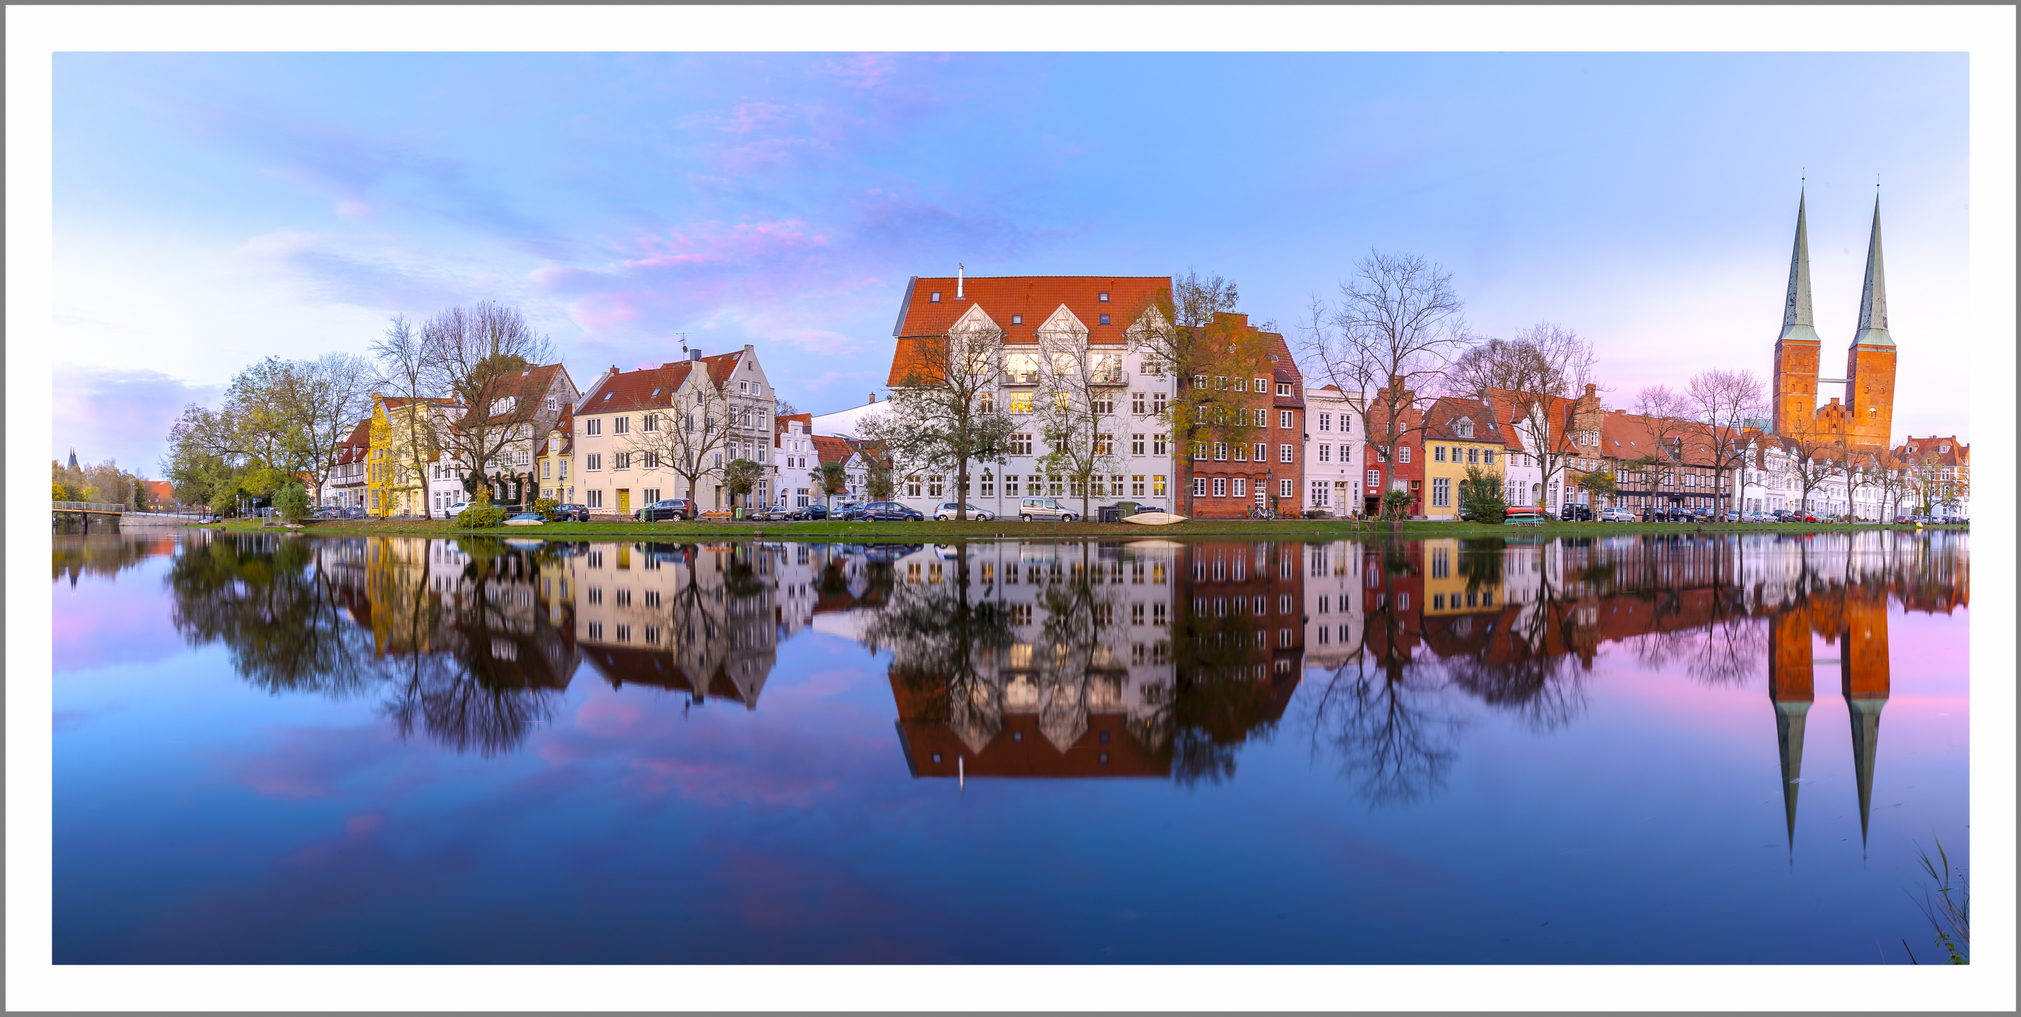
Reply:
x=1044, y=510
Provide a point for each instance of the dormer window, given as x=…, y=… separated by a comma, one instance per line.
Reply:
x=1284, y=389
x=933, y=297
x=1463, y=427
x=1945, y=447
x=1102, y=297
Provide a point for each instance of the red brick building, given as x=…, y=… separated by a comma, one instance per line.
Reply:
x=1260, y=461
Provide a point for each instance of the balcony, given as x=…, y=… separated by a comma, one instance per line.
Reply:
x=1116, y=377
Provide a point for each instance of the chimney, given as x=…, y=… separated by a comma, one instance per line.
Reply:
x=959, y=271
x=748, y=348
x=873, y=399
x=1589, y=390
x=695, y=356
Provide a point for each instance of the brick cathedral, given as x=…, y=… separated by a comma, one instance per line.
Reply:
x=1865, y=413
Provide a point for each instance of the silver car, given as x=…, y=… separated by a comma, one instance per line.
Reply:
x=946, y=510
x=1044, y=510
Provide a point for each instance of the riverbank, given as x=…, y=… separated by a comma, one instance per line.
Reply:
x=1286, y=529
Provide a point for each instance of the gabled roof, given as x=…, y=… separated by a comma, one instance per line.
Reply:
x=530, y=386
x=1445, y=413
x=1033, y=297
x=832, y=450
x=1626, y=435
x=648, y=388
x=780, y=422
x=1929, y=450
x=360, y=439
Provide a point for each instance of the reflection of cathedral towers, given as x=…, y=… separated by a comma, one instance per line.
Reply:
x=1864, y=677
x=1857, y=619
x=1789, y=688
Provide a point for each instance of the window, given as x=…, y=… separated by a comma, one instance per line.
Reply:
x=652, y=460
x=936, y=486
x=1403, y=453
x=1262, y=452
x=1241, y=487
x=1021, y=445
x=1441, y=493
x=1157, y=444
x=1157, y=402
x=1103, y=319
x=1019, y=402
x=1021, y=368
x=1374, y=479
x=912, y=486
x=1319, y=492
x=1199, y=487
x=593, y=462
x=1137, y=486
x=1105, y=444
x=550, y=404
x=1284, y=389
x=1325, y=452
x=1463, y=427
x=1220, y=487
x=933, y=297
x=650, y=495
x=1262, y=418
x=1326, y=421
x=1473, y=455
x=1056, y=486
x=1136, y=444
x=1438, y=453
x=547, y=469
x=1285, y=488
x=621, y=460
x=1158, y=486
x=592, y=427
x=1137, y=403
x=621, y=425
x=1035, y=485
x=1220, y=451
x=1285, y=453
x=593, y=499
x=1241, y=453
x=1017, y=319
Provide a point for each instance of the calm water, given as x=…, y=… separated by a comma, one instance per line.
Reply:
x=1625, y=749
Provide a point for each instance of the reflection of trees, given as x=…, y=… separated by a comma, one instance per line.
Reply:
x=942, y=640
x=103, y=555
x=1390, y=727
x=1216, y=701
x=467, y=659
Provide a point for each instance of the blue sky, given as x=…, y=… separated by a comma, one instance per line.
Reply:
x=211, y=209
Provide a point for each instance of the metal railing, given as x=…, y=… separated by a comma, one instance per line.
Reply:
x=103, y=507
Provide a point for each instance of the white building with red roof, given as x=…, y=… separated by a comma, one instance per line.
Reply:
x=1085, y=317
x=639, y=435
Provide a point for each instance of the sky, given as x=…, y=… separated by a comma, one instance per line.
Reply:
x=211, y=209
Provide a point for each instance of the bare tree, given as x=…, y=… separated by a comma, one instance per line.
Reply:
x=1726, y=401
x=1813, y=459
x=476, y=355
x=690, y=439
x=1893, y=477
x=1534, y=373
x=1178, y=334
x=404, y=370
x=323, y=398
x=1397, y=328
x=1076, y=410
x=944, y=415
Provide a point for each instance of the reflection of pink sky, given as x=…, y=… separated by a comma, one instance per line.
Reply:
x=111, y=621
x=1928, y=675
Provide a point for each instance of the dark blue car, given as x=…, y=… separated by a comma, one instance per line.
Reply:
x=888, y=512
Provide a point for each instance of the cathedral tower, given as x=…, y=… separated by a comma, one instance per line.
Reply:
x=1796, y=352
x=1870, y=363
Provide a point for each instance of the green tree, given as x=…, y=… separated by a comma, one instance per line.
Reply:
x=1395, y=504
x=878, y=482
x=944, y=416
x=741, y=477
x=1185, y=332
x=1600, y=484
x=292, y=501
x=1481, y=498
x=832, y=478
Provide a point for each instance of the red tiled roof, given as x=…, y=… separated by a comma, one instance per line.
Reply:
x=530, y=386
x=1930, y=450
x=1034, y=297
x=650, y=388
x=832, y=450
x=1447, y=409
x=359, y=439
x=1629, y=436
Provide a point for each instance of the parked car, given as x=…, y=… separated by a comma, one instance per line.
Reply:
x=810, y=512
x=526, y=519
x=1575, y=513
x=888, y=512
x=327, y=512
x=1616, y=514
x=846, y=511
x=1730, y=516
x=567, y=513
x=946, y=509
x=667, y=508
x=1044, y=510
x=455, y=510
x=356, y=512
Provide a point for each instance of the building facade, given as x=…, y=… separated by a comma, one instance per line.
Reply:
x=669, y=431
x=1236, y=471
x=1459, y=435
x=1863, y=412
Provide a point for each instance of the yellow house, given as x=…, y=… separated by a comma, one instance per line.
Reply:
x=554, y=459
x=1459, y=434
x=401, y=433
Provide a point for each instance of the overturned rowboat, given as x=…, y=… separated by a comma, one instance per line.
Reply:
x=1154, y=518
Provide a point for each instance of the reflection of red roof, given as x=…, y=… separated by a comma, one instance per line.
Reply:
x=1019, y=748
x=623, y=666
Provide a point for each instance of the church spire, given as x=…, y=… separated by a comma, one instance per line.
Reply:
x=1796, y=316
x=1874, y=295
x=1789, y=724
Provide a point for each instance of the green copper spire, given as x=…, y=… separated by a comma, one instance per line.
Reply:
x=1874, y=295
x=1796, y=316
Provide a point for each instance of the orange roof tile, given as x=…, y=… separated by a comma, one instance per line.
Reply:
x=1031, y=298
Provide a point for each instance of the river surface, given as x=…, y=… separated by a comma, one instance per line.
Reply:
x=1631, y=749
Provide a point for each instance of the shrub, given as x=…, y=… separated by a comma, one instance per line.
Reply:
x=292, y=502
x=1318, y=513
x=479, y=517
x=546, y=507
x=1481, y=497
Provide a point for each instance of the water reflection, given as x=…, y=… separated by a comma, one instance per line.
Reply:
x=104, y=555
x=1145, y=658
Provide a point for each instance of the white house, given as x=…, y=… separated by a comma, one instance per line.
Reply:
x=635, y=429
x=1333, y=452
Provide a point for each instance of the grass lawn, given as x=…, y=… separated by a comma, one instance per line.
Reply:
x=943, y=532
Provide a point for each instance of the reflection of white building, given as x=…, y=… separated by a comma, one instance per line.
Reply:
x=1333, y=603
